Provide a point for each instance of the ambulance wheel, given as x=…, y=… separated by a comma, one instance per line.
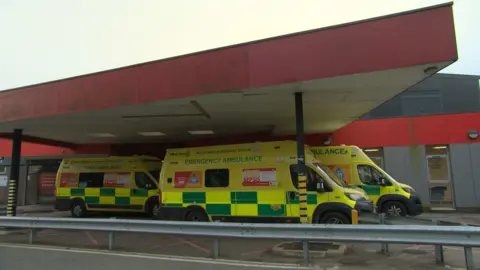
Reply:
x=394, y=209
x=334, y=218
x=78, y=209
x=153, y=209
x=196, y=214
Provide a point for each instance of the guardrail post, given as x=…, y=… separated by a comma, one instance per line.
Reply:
x=439, y=258
x=384, y=247
x=216, y=246
x=31, y=235
x=306, y=252
x=111, y=238
x=469, y=258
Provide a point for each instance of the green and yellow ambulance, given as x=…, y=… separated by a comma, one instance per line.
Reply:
x=108, y=184
x=353, y=166
x=255, y=182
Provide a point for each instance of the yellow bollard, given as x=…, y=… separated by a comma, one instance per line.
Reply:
x=11, y=202
x=302, y=197
x=354, y=216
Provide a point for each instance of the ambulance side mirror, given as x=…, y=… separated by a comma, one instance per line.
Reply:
x=383, y=182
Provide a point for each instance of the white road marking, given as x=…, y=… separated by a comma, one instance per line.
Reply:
x=192, y=244
x=90, y=237
x=159, y=257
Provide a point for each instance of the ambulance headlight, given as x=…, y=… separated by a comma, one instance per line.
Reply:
x=354, y=196
x=409, y=190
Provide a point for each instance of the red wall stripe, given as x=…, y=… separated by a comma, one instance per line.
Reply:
x=435, y=129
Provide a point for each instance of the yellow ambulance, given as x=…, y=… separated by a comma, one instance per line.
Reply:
x=353, y=166
x=108, y=184
x=254, y=182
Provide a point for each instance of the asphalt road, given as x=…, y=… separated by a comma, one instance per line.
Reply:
x=359, y=256
x=171, y=245
x=19, y=257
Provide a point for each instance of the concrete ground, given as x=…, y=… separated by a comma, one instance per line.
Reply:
x=51, y=258
x=357, y=256
x=456, y=217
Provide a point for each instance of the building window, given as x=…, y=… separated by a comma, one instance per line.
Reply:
x=217, y=178
x=3, y=169
x=439, y=177
x=375, y=154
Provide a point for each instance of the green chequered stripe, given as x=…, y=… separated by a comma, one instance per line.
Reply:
x=311, y=198
x=245, y=197
x=239, y=198
x=110, y=192
x=92, y=199
x=122, y=200
x=219, y=209
x=139, y=193
x=119, y=199
x=194, y=197
x=266, y=210
x=371, y=190
x=77, y=192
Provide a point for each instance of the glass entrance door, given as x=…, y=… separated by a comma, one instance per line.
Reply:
x=439, y=177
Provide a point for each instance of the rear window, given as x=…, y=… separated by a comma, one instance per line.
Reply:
x=217, y=178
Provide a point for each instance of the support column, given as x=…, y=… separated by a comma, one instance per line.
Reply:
x=14, y=173
x=302, y=178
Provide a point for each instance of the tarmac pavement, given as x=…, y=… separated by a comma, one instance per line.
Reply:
x=357, y=256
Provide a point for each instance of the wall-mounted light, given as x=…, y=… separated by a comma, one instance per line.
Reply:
x=440, y=147
x=372, y=150
x=327, y=141
x=430, y=70
x=473, y=134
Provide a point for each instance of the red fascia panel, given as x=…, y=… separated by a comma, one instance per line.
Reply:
x=434, y=129
x=419, y=37
x=32, y=149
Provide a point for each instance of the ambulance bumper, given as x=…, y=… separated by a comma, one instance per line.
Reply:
x=414, y=206
x=365, y=206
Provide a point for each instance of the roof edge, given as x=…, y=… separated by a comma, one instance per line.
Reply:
x=412, y=11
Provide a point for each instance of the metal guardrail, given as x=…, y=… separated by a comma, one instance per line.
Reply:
x=463, y=236
x=367, y=218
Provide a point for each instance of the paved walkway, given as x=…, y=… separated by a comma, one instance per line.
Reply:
x=37, y=208
x=457, y=217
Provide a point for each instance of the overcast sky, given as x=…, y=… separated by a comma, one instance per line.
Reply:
x=53, y=39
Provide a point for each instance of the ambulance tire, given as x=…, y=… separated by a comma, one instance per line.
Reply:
x=152, y=208
x=196, y=214
x=334, y=218
x=78, y=208
x=394, y=208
